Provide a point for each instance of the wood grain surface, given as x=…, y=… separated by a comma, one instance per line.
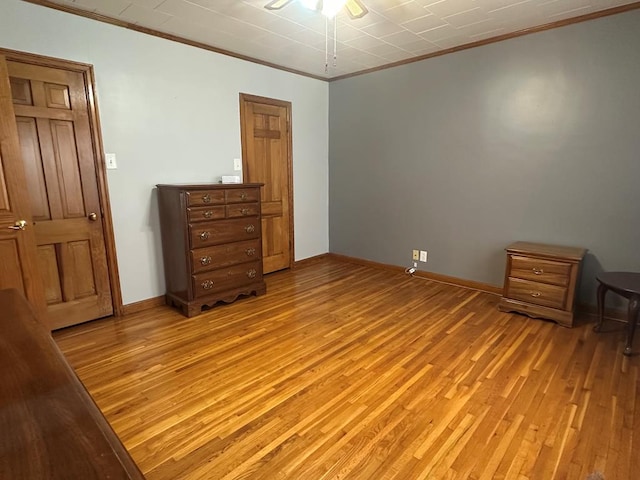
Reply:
x=50, y=429
x=351, y=372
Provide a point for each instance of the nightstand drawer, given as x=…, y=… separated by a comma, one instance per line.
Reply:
x=537, y=293
x=546, y=271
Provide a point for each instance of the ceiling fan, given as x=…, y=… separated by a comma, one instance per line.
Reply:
x=330, y=8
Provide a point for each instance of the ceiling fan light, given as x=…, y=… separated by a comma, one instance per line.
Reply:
x=356, y=9
x=330, y=8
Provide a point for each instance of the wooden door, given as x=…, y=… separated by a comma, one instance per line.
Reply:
x=18, y=268
x=266, y=158
x=58, y=154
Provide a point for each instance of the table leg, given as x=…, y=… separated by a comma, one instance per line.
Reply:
x=634, y=308
x=602, y=292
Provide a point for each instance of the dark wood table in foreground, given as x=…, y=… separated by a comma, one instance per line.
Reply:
x=50, y=428
x=627, y=285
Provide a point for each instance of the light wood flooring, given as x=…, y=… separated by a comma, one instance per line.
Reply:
x=349, y=372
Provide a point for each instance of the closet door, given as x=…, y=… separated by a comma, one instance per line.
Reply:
x=18, y=268
x=266, y=155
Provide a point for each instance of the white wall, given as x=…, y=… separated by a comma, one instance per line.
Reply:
x=171, y=114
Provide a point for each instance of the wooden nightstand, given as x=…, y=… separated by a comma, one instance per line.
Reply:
x=541, y=281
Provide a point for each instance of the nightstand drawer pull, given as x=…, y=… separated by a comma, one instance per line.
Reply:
x=205, y=260
x=207, y=214
x=250, y=252
x=535, y=294
x=244, y=211
x=207, y=285
x=252, y=273
x=204, y=235
x=250, y=228
x=243, y=196
x=206, y=198
x=537, y=271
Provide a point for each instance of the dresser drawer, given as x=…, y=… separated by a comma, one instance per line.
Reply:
x=204, y=259
x=202, y=214
x=243, y=210
x=239, y=195
x=223, y=231
x=204, y=197
x=537, y=293
x=207, y=283
x=547, y=271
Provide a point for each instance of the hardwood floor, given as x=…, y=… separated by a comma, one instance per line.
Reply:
x=348, y=372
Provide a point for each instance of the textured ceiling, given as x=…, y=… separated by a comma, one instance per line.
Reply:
x=294, y=37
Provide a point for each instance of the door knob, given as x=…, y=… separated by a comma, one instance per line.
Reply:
x=93, y=216
x=19, y=225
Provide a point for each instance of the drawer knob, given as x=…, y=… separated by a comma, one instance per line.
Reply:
x=252, y=273
x=250, y=228
x=537, y=271
x=207, y=214
x=244, y=211
x=243, y=196
x=535, y=294
x=250, y=252
x=207, y=285
x=204, y=235
x=205, y=260
x=206, y=198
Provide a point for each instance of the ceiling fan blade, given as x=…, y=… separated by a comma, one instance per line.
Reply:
x=356, y=9
x=277, y=4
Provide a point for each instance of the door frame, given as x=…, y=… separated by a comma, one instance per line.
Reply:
x=248, y=98
x=86, y=70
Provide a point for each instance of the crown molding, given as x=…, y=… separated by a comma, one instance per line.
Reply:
x=167, y=36
x=499, y=38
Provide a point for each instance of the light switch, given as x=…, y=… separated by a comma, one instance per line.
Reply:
x=237, y=164
x=110, y=160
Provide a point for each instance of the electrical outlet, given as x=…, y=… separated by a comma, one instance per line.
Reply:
x=416, y=255
x=237, y=164
x=423, y=255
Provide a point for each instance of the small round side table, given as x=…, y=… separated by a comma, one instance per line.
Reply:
x=627, y=285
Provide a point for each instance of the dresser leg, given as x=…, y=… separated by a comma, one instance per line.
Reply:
x=192, y=310
x=602, y=292
x=634, y=307
x=261, y=289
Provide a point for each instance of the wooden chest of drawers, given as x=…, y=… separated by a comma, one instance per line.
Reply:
x=211, y=243
x=541, y=281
